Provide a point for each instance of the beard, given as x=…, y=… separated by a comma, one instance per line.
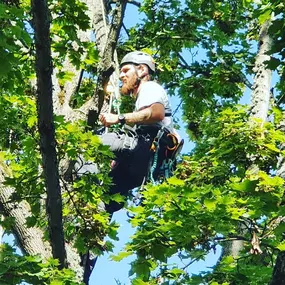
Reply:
x=129, y=86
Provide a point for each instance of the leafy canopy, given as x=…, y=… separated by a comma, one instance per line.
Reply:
x=205, y=52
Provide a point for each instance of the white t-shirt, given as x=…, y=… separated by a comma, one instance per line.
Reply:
x=151, y=92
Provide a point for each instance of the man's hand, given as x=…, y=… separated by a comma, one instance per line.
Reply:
x=108, y=119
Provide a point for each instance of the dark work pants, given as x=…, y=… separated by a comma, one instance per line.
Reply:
x=131, y=164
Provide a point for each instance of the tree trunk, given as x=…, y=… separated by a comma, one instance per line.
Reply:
x=261, y=88
x=278, y=276
x=30, y=240
x=47, y=129
x=259, y=109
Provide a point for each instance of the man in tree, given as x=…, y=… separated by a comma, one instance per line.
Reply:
x=152, y=112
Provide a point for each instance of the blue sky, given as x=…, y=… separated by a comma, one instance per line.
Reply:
x=106, y=271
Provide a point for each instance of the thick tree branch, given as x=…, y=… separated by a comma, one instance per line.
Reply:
x=106, y=39
x=63, y=95
x=278, y=276
x=262, y=80
x=46, y=128
x=29, y=239
x=107, y=66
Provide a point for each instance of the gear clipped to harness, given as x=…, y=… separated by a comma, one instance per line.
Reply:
x=165, y=148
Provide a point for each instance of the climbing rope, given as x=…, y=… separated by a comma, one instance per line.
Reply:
x=112, y=88
x=117, y=105
x=155, y=148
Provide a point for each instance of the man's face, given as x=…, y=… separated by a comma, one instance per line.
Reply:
x=129, y=78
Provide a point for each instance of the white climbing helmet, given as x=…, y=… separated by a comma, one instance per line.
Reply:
x=139, y=57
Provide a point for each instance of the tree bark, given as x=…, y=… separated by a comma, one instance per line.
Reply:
x=62, y=107
x=278, y=276
x=260, y=98
x=30, y=240
x=106, y=35
x=47, y=130
x=261, y=88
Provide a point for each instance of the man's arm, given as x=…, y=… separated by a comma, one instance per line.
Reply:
x=148, y=115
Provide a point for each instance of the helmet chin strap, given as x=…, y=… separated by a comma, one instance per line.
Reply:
x=139, y=78
x=138, y=82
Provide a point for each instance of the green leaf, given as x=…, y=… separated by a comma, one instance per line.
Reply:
x=246, y=185
x=175, y=272
x=159, y=252
x=31, y=221
x=210, y=204
x=32, y=121
x=139, y=282
x=273, y=63
x=175, y=181
x=64, y=76
x=34, y=258
x=56, y=282
x=265, y=15
x=143, y=269
x=5, y=66
x=281, y=246
x=121, y=255
x=272, y=147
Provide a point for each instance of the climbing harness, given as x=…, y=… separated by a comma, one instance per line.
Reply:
x=165, y=148
x=165, y=144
